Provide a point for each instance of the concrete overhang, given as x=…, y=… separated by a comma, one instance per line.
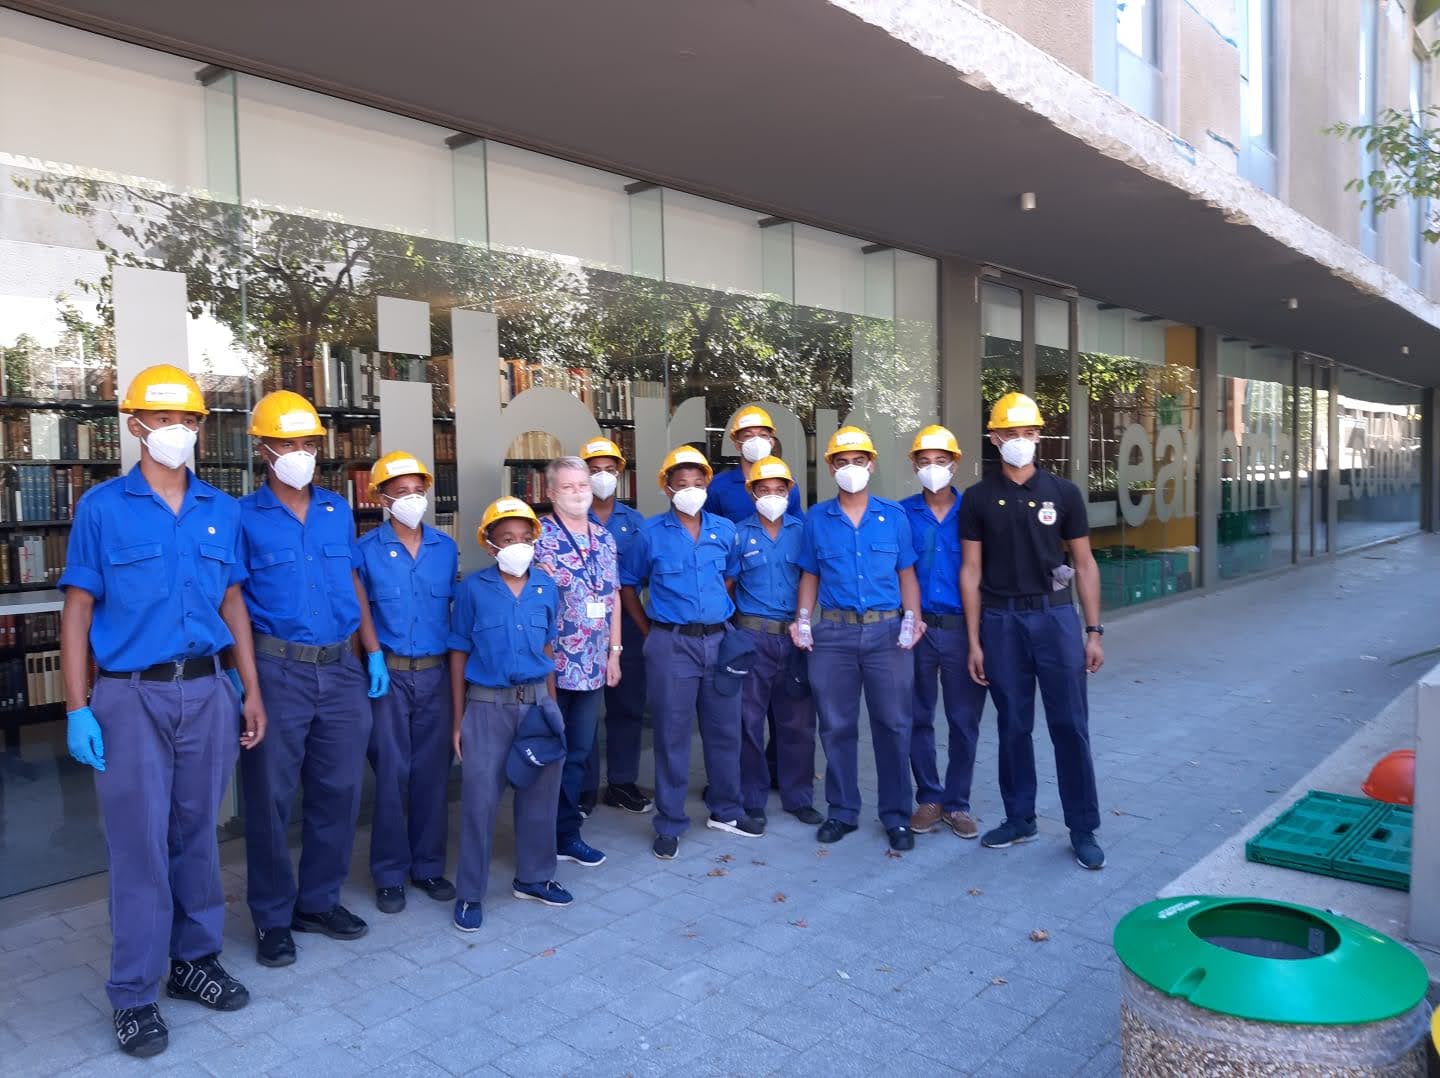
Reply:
x=914, y=124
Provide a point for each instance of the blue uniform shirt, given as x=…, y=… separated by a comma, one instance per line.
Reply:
x=503, y=634
x=157, y=577
x=728, y=497
x=409, y=597
x=300, y=586
x=624, y=525
x=857, y=567
x=687, y=576
x=937, y=546
x=766, y=571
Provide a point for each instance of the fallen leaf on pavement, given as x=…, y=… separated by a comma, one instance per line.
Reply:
x=754, y=862
x=974, y=891
x=884, y=969
x=998, y=980
x=547, y=952
x=778, y=896
x=802, y=923
x=692, y=935
x=725, y=858
x=1117, y=812
x=822, y=853
x=843, y=975
x=718, y=872
x=894, y=855
x=1039, y=936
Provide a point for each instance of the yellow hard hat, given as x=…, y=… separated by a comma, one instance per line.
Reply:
x=1014, y=410
x=850, y=440
x=507, y=508
x=601, y=447
x=752, y=415
x=769, y=468
x=935, y=437
x=163, y=388
x=283, y=414
x=683, y=454
x=394, y=465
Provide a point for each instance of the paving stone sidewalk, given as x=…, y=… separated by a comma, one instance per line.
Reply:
x=777, y=955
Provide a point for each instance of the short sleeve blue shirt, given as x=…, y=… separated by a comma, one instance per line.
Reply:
x=858, y=567
x=624, y=525
x=505, y=634
x=766, y=571
x=157, y=576
x=937, y=550
x=686, y=576
x=300, y=586
x=727, y=496
x=409, y=597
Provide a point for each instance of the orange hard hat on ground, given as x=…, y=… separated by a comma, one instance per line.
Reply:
x=1393, y=778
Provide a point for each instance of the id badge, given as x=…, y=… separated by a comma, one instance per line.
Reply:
x=595, y=610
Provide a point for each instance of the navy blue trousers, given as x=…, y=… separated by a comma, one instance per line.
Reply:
x=410, y=755
x=169, y=752
x=581, y=709
x=1024, y=648
x=762, y=692
x=846, y=660
x=940, y=665
x=624, y=717
x=319, y=728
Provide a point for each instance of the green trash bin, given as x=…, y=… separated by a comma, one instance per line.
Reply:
x=1235, y=987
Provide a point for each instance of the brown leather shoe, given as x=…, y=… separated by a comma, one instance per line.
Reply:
x=962, y=823
x=925, y=818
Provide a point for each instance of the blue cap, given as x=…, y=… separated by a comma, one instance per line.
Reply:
x=732, y=665
x=539, y=741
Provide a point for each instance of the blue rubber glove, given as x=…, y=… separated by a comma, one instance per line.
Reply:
x=379, y=674
x=234, y=676
x=82, y=737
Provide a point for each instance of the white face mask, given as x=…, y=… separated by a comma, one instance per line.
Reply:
x=409, y=509
x=935, y=477
x=852, y=478
x=170, y=446
x=514, y=560
x=688, y=500
x=772, y=506
x=294, y=469
x=756, y=448
x=1017, y=452
x=604, y=484
x=574, y=505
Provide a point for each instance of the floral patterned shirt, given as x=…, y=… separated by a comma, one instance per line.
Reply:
x=585, y=571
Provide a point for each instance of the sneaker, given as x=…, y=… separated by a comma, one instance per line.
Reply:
x=833, y=830
x=627, y=796
x=745, y=826
x=1009, y=833
x=274, y=947
x=927, y=816
x=1088, y=853
x=549, y=892
x=665, y=847
x=204, y=981
x=580, y=852
x=901, y=838
x=140, y=1031
x=586, y=804
x=758, y=814
x=338, y=923
x=389, y=899
x=807, y=814
x=961, y=822
x=437, y=887
x=468, y=916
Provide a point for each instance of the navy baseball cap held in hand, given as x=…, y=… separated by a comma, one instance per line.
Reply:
x=539, y=741
x=733, y=663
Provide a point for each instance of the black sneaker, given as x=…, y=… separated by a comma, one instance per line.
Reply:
x=745, y=826
x=274, y=947
x=807, y=814
x=757, y=814
x=205, y=981
x=437, y=887
x=1010, y=833
x=337, y=923
x=389, y=899
x=665, y=847
x=1088, y=853
x=625, y=795
x=833, y=830
x=901, y=838
x=140, y=1031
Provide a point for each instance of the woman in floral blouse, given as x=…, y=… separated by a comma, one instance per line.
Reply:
x=580, y=556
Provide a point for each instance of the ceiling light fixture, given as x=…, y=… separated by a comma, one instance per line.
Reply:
x=1027, y=201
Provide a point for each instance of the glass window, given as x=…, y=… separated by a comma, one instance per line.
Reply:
x=1368, y=87
x=1052, y=381
x=1378, y=494
x=1002, y=361
x=1256, y=29
x=1257, y=427
x=1137, y=28
x=1419, y=207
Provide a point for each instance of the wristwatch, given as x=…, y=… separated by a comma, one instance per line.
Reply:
x=1099, y=630
x=616, y=649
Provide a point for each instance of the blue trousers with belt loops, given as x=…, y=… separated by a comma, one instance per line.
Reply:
x=942, y=665
x=624, y=717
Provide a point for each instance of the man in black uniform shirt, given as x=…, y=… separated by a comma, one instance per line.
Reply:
x=1014, y=586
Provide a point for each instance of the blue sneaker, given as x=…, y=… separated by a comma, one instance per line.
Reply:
x=468, y=916
x=549, y=892
x=579, y=851
x=1088, y=853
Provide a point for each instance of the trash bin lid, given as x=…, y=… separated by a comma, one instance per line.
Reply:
x=1269, y=961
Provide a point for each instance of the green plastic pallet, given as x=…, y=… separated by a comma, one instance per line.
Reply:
x=1349, y=838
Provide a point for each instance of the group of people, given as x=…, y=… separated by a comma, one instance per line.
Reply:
x=263, y=627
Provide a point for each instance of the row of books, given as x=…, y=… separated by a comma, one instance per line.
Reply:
x=226, y=436
x=64, y=372
x=33, y=558
x=359, y=442
x=445, y=494
x=29, y=630
x=536, y=446
x=52, y=436
x=32, y=681
x=232, y=480
x=527, y=484
x=611, y=401
x=35, y=492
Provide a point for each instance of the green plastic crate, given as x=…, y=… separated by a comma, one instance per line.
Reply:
x=1349, y=838
x=1380, y=852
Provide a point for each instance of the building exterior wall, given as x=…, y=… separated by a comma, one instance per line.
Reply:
x=1063, y=28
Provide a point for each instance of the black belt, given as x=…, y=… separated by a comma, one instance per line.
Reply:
x=174, y=670
x=1026, y=602
x=318, y=654
x=693, y=628
x=762, y=625
x=849, y=617
x=406, y=662
x=511, y=694
x=944, y=621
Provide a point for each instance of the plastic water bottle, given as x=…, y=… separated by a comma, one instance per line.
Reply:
x=907, y=629
x=802, y=629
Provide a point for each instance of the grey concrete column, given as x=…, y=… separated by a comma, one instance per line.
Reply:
x=961, y=406
x=1430, y=460
x=1207, y=512
x=1332, y=503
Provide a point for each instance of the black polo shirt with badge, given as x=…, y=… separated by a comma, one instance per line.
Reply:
x=1022, y=526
